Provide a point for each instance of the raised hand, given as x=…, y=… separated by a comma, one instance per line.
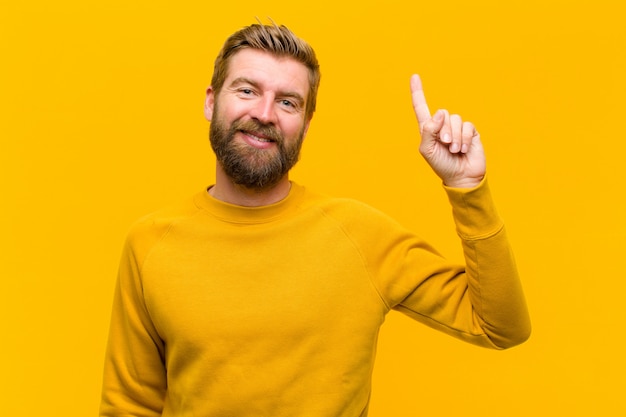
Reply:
x=451, y=146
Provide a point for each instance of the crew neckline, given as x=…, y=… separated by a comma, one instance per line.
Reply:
x=233, y=213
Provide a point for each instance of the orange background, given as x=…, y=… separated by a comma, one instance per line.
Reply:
x=101, y=122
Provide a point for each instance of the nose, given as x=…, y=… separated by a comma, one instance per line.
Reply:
x=264, y=110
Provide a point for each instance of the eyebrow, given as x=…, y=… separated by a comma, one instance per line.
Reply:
x=286, y=94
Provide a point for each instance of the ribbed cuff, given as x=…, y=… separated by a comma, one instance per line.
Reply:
x=474, y=211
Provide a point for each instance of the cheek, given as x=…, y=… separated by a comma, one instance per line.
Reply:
x=293, y=128
x=229, y=110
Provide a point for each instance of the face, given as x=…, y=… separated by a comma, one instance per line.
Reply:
x=257, y=118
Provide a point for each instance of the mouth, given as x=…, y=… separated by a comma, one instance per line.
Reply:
x=258, y=140
x=259, y=137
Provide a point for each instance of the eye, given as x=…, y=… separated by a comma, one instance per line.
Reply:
x=245, y=92
x=288, y=103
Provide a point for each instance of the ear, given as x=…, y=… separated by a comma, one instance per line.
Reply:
x=209, y=103
x=306, y=128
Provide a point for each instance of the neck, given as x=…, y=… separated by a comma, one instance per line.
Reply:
x=226, y=190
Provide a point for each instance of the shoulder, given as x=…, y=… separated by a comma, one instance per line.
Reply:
x=149, y=229
x=351, y=213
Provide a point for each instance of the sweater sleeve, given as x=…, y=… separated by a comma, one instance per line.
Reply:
x=134, y=380
x=481, y=302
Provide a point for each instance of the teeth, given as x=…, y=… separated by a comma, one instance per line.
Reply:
x=258, y=138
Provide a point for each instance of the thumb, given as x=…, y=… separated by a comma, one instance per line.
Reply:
x=431, y=127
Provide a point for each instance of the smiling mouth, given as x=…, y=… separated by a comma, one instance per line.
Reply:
x=257, y=137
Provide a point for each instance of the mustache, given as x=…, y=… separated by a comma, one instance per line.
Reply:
x=254, y=126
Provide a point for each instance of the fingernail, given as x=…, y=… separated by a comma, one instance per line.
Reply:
x=446, y=138
x=464, y=148
x=454, y=148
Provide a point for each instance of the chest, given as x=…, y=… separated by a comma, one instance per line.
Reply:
x=232, y=284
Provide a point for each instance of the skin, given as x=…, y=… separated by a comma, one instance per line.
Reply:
x=451, y=146
x=273, y=91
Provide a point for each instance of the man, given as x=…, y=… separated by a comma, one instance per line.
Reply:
x=259, y=297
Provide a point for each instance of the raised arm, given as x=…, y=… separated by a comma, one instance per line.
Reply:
x=483, y=302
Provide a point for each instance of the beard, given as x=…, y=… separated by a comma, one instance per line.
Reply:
x=252, y=168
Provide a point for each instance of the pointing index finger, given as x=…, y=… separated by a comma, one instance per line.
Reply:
x=419, y=100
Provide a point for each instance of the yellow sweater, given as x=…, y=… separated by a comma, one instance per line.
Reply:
x=274, y=311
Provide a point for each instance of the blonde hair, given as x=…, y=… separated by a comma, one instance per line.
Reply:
x=277, y=40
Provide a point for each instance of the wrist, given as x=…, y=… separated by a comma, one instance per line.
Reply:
x=464, y=182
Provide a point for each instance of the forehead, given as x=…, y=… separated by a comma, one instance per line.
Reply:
x=283, y=74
